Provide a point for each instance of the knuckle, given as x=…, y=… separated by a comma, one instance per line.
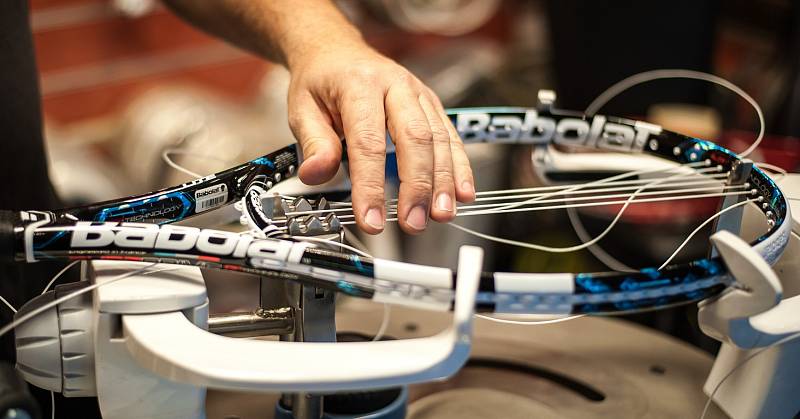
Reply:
x=443, y=173
x=365, y=73
x=369, y=140
x=420, y=185
x=417, y=131
x=370, y=187
x=369, y=149
x=420, y=191
x=363, y=108
x=464, y=170
x=440, y=133
x=406, y=78
x=457, y=146
x=434, y=98
x=465, y=173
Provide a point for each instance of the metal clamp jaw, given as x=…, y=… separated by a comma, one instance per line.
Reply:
x=302, y=216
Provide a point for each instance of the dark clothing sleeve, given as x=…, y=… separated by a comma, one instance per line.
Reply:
x=23, y=169
x=24, y=181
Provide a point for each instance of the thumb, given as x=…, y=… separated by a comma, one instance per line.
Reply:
x=322, y=149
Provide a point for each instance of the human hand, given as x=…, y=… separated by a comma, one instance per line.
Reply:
x=354, y=91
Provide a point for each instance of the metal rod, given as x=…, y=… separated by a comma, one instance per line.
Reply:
x=261, y=322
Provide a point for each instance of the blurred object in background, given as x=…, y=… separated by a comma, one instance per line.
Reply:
x=758, y=47
x=134, y=8
x=206, y=132
x=454, y=72
x=80, y=172
x=94, y=58
x=596, y=44
x=440, y=17
x=695, y=120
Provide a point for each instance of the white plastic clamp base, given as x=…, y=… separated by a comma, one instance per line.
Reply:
x=766, y=385
x=762, y=386
x=727, y=318
x=171, y=346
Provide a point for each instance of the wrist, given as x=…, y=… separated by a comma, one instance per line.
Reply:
x=346, y=41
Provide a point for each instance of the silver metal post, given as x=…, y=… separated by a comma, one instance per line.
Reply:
x=314, y=318
x=262, y=322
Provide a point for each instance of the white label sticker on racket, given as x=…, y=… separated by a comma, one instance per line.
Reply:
x=210, y=197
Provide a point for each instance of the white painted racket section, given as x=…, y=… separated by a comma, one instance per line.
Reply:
x=514, y=282
x=409, y=273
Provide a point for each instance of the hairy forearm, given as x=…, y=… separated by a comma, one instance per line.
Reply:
x=284, y=31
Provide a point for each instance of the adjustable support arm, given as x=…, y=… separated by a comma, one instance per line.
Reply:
x=167, y=344
x=727, y=317
x=747, y=318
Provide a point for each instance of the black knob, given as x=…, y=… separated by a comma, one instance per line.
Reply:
x=16, y=400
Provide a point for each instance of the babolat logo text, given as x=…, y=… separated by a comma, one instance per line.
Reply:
x=181, y=239
x=210, y=191
x=530, y=128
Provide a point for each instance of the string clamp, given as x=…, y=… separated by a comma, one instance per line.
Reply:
x=303, y=217
x=740, y=171
x=545, y=100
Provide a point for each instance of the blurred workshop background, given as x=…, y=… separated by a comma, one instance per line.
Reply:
x=123, y=81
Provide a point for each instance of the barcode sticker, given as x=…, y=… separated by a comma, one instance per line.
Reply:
x=210, y=197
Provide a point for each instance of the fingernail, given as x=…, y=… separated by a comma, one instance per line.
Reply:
x=418, y=217
x=444, y=202
x=374, y=218
x=466, y=186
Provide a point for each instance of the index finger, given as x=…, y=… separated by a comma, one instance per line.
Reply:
x=364, y=123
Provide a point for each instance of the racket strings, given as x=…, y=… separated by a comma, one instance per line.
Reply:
x=667, y=189
x=672, y=187
x=348, y=219
x=538, y=192
x=713, y=182
x=625, y=204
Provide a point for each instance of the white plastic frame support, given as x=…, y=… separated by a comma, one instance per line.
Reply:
x=727, y=318
x=766, y=385
x=172, y=347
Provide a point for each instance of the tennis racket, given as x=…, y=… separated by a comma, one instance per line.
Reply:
x=139, y=228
